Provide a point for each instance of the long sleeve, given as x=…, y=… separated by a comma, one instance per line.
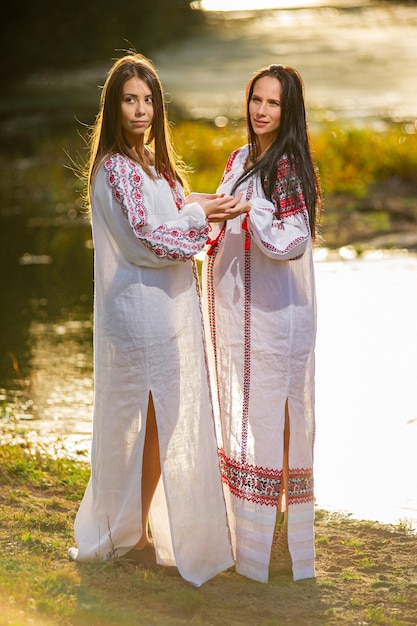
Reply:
x=151, y=211
x=287, y=237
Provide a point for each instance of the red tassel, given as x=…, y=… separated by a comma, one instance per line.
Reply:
x=212, y=243
x=246, y=228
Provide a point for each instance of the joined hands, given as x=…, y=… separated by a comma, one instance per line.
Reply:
x=219, y=207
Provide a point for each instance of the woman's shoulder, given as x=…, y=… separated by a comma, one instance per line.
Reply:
x=286, y=165
x=114, y=162
x=284, y=159
x=237, y=156
x=120, y=162
x=120, y=170
x=241, y=151
x=119, y=173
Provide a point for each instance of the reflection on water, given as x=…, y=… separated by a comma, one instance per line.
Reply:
x=46, y=338
x=366, y=371
x=253, y=5
x=62, y=380
x=357, y=60
x=52, y=405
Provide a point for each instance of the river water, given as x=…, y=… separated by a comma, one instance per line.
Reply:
x=366, y=406
x=358, y=62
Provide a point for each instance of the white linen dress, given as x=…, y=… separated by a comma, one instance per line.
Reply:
x=260, y=313
x=148, y=337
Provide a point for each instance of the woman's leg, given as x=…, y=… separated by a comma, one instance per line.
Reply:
x=280, y=560
x=283, y=496
x=151, y=470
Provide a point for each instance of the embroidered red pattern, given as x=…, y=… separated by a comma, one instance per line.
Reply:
x=211, y=306
x=263, y=485
x=126, y=181
x=229, y=165
x=247, y=346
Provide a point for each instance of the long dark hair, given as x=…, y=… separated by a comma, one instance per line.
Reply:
x=107, y=134
x=292, y=141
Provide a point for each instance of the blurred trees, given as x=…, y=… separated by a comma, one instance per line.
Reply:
x=59, y=34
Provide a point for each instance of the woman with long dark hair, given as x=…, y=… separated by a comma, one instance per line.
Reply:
x=260, y=312
x=154, y=452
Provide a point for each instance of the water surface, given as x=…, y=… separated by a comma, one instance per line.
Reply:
x=357, y=59
x=366, y=406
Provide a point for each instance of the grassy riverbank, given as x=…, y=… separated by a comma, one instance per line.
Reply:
x=366, y=572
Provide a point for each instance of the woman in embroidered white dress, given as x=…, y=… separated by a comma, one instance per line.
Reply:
x=154, y=449
x=260, y=313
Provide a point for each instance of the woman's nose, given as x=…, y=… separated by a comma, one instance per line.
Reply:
x=261, y=108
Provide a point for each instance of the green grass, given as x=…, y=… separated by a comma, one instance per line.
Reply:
x=25, y=465
x=40, y=586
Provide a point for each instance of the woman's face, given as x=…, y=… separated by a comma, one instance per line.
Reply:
x=136, y=109
x=265, y=109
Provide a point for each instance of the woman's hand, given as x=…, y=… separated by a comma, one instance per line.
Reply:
x=196, y=196
x=240, y=206
x=221, y=208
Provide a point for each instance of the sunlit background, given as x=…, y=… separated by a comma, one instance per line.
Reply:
x=252, y=5
x=358, y=63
